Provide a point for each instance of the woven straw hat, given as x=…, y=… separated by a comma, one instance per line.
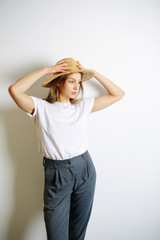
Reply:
x=87, y=74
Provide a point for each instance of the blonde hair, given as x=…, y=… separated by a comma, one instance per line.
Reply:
x=54, y=93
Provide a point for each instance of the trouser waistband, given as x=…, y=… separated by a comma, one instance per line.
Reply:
x=63, y=163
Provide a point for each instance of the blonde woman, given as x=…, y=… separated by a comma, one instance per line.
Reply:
x=61, y=123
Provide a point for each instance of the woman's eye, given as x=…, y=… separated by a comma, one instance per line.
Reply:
x=72, y=81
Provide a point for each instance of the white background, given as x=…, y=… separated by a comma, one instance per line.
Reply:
x=119, y=39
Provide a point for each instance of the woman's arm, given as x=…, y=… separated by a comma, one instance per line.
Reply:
x=111, y=87
x=115, y=92
x=25, y=82
x=17, y=89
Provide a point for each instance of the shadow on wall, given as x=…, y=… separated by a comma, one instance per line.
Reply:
x=28, y=183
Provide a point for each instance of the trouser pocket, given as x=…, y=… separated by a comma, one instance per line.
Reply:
x=58, y=184
x=90, y=165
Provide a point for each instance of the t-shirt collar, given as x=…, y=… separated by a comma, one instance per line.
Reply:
x=62, y=104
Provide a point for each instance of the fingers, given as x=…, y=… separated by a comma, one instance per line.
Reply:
x=79, y=65
x=61, y=61
x=65, y=66
x=64, y=63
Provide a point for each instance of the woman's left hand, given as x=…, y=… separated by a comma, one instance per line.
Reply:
x=82, y=68
x=79, y=65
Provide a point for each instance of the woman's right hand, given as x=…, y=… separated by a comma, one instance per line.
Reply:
x=59, y=67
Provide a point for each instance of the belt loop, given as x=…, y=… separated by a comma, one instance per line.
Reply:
x=83, y=155
x=43, y=161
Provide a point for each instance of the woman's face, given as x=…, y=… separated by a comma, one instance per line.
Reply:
x=72, y=85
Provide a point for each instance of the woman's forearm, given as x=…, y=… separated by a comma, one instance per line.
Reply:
x=25, y=82
x=111, y=87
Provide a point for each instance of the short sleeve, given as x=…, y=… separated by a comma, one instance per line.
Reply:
x=88, y=104
x=36, y=103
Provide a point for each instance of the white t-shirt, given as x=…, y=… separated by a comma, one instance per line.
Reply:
x=61, y=127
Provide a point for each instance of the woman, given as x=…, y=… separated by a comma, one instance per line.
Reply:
x=61, y=123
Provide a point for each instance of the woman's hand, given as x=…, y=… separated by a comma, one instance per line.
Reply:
x=59, y=67
x=82, y=68
x=79, y=65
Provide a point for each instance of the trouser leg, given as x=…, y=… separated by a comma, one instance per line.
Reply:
x=82, y=201
x=57, y=194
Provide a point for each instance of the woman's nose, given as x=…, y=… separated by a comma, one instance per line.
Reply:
x=76, y=86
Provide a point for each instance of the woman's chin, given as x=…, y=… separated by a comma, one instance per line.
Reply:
x=73, y=96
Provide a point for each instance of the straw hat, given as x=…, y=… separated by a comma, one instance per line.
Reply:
x=87, y=74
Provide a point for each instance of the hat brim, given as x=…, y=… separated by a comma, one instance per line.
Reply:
x=87, y=74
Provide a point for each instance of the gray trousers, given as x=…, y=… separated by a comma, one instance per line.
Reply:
x=68, y=196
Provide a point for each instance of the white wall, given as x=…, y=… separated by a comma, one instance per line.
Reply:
x=119, y=39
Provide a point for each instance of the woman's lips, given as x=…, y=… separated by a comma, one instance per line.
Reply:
x=74, y=93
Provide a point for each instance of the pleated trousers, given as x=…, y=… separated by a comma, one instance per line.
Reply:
x=69, y=189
